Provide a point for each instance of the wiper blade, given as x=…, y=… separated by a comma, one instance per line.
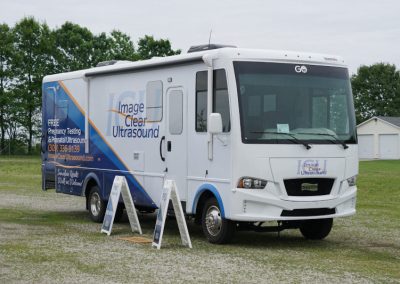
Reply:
x=327, y=134
x=308, y=147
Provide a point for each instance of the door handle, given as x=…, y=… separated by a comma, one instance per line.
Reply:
x=162, y=139
x=169, y=146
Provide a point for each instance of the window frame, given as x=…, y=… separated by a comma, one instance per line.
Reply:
x=214, y=98
x=162, y=99
x=180, y=91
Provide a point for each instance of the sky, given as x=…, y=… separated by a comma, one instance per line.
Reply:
x=363, y=32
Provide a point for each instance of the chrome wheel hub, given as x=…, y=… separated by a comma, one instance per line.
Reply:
x=213, y=220
x=95, y=204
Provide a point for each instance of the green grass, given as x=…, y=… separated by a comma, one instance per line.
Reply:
x=21, y=175
x=362, y=248
x=379, y=189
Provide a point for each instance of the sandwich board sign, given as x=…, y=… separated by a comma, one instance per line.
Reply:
x=120, y=187
x=170, y=192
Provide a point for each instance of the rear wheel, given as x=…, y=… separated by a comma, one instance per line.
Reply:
x=216, y=229
x=316, y=229
x=97, y=207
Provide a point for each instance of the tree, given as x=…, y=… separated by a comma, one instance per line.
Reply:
x=148, y=47
x=122, y=47
x=30, y=50
x=14, y=111
x=376, y=91
x=6, y=54
x=74, y=47
x=116, y=46
x=32, y=60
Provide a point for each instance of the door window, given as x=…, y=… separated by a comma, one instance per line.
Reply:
x=220, y=100
x=175, y=111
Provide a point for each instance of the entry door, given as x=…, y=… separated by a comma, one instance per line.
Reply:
x=176, y=139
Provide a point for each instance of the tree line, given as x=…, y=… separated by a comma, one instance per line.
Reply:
x=376, y=91
x=29, y=50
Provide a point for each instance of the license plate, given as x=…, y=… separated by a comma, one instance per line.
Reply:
x=309, y=187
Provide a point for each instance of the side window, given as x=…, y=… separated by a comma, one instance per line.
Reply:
x=201, y=101
x=220, y=100
x=175, y=112
x=154, y=101
x=49, y=102
x=62, y=110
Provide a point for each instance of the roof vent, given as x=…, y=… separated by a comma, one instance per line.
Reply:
x=203, y=47
x=111, y=62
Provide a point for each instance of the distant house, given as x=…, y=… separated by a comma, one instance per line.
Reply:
x=379, y=138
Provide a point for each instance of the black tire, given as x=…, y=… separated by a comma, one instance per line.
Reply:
x=97, y=207
x=222, y=230
x=316, y=229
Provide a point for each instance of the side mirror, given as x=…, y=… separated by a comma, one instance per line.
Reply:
x=215, y=123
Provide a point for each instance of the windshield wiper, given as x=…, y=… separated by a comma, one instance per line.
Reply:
x=308, y=147
x=327, y=134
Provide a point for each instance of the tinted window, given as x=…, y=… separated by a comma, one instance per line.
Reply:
x=220, y=100
x=278, y=104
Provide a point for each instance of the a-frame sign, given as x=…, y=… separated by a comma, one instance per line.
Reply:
x=120, y=186
x=170, y=192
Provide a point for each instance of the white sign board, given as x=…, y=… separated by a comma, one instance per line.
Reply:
x=170, y=192
x=120, y=186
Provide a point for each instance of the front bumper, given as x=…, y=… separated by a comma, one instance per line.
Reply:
x=260, y=205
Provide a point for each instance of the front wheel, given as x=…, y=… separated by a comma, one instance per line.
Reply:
x=97, y=207
x=216, y=229
x=316, y=229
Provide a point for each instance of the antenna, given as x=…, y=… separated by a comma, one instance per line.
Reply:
x=209, y=38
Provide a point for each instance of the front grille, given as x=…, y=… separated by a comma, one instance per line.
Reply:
x=308, y=186
x=308, y=212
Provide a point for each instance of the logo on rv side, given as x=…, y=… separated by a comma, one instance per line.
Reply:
x=311, y=167
x=300, y=69
x=130, y=116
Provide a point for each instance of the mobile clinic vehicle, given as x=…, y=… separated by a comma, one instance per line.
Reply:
x=248, y=136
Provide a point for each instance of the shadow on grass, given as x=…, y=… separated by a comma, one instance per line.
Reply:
x=289, y=239
x=242, y=239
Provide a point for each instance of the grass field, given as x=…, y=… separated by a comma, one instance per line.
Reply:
x=48, y=237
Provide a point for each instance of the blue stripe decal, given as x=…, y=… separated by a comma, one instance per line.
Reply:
x=213, y=189
x=104, y=156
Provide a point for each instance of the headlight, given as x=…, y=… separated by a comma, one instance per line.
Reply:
x=249, y=182
x=352, y=181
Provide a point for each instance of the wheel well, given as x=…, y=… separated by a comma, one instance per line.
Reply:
x=92, y=182
x=200, y=204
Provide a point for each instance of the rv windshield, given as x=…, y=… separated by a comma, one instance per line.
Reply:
x=294, y=103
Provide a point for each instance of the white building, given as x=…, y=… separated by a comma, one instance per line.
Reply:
x=379, y=138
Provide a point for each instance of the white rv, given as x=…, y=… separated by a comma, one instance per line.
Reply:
x=248, y=136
